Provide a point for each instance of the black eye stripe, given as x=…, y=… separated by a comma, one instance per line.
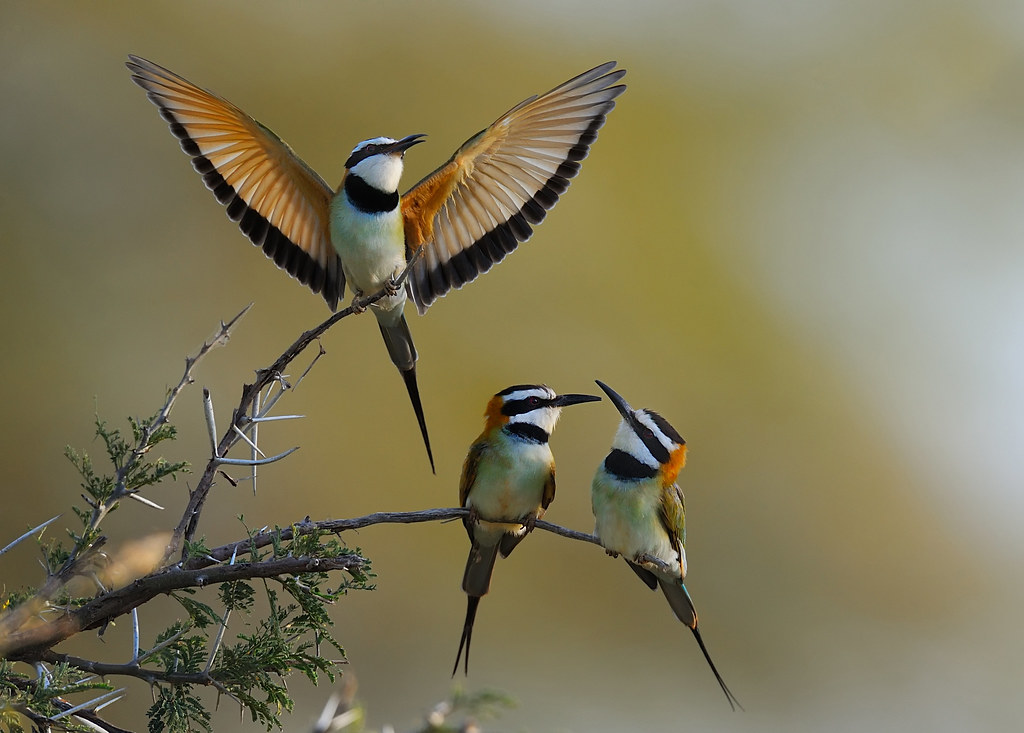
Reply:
x=527, y=404
x=362, y=154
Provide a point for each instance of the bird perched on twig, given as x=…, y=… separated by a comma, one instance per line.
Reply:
x=639, y=509
x=508, y=481
x=465, y=216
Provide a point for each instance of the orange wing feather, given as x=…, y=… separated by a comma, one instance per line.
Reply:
x=477, y=207
x=279, y=202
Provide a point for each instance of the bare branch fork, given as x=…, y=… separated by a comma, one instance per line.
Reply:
x=250, y=402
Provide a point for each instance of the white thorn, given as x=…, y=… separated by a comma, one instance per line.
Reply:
x=211, y=420
x=144, y=500
x=247, y=462
x=30, y=533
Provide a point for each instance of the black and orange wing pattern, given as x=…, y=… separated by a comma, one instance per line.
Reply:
x=476, y=208
x=279, y=202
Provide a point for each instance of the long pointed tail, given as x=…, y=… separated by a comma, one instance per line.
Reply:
x=733, y=702
x=403, y=355
x=476, y=581
x=467, y=633
x=679, y=598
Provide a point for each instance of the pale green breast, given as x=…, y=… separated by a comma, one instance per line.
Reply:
x=627, y=519
x=510, y=483
x=371, y=246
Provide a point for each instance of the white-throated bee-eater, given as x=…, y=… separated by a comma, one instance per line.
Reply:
x=465, y=216
x=508, y=481
x=640, y=513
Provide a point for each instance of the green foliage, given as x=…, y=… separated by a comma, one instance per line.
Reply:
x=20, y=695
x=178, y=709
x=134, y=469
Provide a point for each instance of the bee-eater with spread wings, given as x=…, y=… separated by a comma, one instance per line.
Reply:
x=465, y=216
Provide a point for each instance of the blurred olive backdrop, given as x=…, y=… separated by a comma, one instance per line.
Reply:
x=798, y=237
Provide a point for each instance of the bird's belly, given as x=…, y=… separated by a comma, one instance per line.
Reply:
x=628, y=522
x=508, y=492
x=371, y=247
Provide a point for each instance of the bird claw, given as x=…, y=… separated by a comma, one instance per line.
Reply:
x=474, y=516
x=358, y=307
x=611, y=553
x=391, y=287
x=530, y=523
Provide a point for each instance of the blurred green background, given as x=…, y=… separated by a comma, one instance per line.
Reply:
x=798, y=237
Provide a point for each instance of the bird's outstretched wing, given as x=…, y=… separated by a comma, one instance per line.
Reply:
x=477, y=207
x=279, y=202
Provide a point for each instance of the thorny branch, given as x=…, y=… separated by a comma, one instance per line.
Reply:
x=306, y=526
x=240, y=422
x=33, y=642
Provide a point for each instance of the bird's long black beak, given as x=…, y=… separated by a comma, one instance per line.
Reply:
x=564, y=400
x=400, y=146
x=620, y=404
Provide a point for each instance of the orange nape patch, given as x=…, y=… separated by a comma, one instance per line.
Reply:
x=676, y=461
x=495, y=419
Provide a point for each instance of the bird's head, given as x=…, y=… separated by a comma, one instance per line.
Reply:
x=645, y=445
x=530, y=411
x=378, y=161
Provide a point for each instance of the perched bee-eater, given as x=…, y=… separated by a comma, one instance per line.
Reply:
x=466, y=215
x=508, y=481
x=640, y=511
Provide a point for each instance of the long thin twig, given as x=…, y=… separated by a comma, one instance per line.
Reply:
x=333, y=526
x=31, y=532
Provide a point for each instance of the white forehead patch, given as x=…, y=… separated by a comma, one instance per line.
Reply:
x=373, y=141
x=545, y=393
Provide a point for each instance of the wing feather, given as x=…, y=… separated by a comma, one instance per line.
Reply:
x=280, y=203
x=478, y=207
x=672, y=513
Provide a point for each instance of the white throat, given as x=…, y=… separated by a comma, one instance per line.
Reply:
x=383, y=172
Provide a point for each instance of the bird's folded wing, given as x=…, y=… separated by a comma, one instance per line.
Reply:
x=280, y=204
x=672, y=513
x=472, y=211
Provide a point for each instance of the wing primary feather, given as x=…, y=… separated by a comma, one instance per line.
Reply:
x=278, y=201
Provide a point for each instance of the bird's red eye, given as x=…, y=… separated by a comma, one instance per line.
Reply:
x=533, y=401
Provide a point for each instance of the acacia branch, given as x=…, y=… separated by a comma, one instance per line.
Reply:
x=335, y=526
x=186, y=529
x=28, y=645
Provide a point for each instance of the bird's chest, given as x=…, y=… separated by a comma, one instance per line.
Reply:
x=510, y=485
x=371, y=245
x=628, y=519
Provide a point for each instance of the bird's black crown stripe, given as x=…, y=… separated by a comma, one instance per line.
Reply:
x=623, y=466
x=528, y=432
x=368, y=199
x=518, y=388
x=667, y=429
